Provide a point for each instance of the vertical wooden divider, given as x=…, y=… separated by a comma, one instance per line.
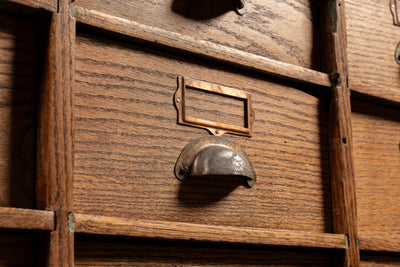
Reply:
x=340, y=131
x=55, y=141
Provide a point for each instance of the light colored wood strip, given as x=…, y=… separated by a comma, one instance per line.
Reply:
x=92, y=224
x=379, y=244
x=200, y=47
x=369, y=89
x=50, y=5
x=16, y=218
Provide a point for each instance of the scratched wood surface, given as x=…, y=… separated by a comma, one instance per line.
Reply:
x=376, y=135
x=127, y=141
x=372, y=40
x=18, y=65
x=281, y=30
x=91, y=251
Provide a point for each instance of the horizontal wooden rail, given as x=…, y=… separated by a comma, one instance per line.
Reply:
x=363, y=89
x=16, y=218
x=49, y=5
x=199, y=47
x=379, y=244
x=116, y=226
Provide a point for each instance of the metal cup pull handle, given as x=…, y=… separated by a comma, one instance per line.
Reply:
x=214, y=156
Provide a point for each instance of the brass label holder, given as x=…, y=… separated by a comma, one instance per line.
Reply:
x=215, y=128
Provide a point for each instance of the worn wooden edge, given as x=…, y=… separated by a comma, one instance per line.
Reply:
x=199, y=47
x=377, y=93
x=117, y=226
x=49, y=5
x=379, y=244
x=26, y=219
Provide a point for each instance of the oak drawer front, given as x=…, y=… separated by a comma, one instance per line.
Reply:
x=127, y=141
x=18, y=81
x=372, y=40
x=280, y=30
x=376, y=136
x=91, y=251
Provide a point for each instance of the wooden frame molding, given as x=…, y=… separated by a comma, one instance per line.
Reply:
x=379, y=244
x=26, y=219
x=116, y=226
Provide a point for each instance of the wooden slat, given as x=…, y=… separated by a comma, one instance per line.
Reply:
x=16, y=218
x=340, y=130
x=380, y=93
x=50, y=5
x=54, y=149
x=199, y=47
x=379, y=244
x=103, y=225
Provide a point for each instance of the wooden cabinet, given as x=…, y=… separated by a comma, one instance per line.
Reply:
x=90, y=133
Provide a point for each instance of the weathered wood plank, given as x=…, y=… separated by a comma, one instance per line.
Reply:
x=200, y=47
x=16, y=218
x=103, y=225
x=54, y=150
x=376, y=134
x=280, y=30
x=49, y=5
x=127, y=141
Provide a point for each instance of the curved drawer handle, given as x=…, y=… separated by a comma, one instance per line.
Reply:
x=393, y=8
x=214, y=156
x=241, y=7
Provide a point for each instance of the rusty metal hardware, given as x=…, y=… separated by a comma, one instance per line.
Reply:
x=214, y=156
x=393, y=9
x=241, y=8
x=397, y=54
x=215, y=128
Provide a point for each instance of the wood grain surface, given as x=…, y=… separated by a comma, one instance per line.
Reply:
x=127, y=141
x=372, y=40
x=54, y=149
x=16, y=218
x=376, y=133
x=102, y=225
x=91, y=251
x=280, y=30
x=50, y=5
x=379, y=244
x=344, y=207
x=18, y=78
x=202, y=48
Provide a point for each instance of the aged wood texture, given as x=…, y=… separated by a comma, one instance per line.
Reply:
x=200, y=47
x=16, y=218
x=280, y=30
x=54, y=150
x=18, y=65
x=379, y=244
x=131, y=252
x=376, y=134
x=16, y=250
x=102, y=225
x=50, y=5
x=372, y=40
x=340, y=132
x=127, y=141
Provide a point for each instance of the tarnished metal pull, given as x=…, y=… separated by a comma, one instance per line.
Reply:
x=393, y=9
x=397, y=54
x=241, y=8
x=214, y=156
